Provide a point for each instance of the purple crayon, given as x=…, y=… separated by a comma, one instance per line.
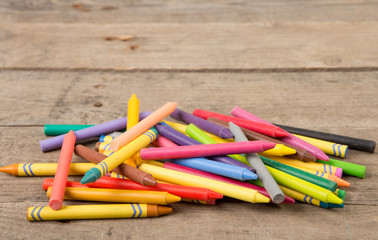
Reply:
x=183, y=140
x=86, y=133
x=201, y=123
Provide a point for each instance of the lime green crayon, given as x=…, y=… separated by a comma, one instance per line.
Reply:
x=112, y=161
x=351, y=169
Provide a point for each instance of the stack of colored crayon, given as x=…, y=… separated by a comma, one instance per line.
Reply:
x=156, y=162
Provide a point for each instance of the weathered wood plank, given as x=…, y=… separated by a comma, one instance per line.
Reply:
x=114, y=11
x=191, y=47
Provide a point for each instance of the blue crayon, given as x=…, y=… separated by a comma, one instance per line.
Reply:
x=222, y=169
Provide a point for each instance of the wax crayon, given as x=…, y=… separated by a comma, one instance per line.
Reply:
x=239, y=157
x=209, y=202
x=131, y=172
x=300, y=154
x=280, y=150
x=311, y=165
x=47, y=182
x=62, y=169
x=120, y=156
x=195, y=193
x=97, y=212
x=59, y=129
x=164, y=142
x=203, y=124
x=259, y=127
x=351, y=142
x=194, y=132
x=241, y=193
x=143, y=125
x=254, y=160
x=204, y=150
x=200, y=173
x=106, y=138
x=303, y=186
x=118, y=195
x=183, y=140
x=340, y=193
x=319, y=154
x=348, y=168
x=102, y=147
x=132, y=111
x=327, y=147
x=222, y=169
x=86, y=133
x=322, y=182
x=44, y=169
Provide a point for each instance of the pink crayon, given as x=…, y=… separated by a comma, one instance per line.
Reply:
x=164, y=142
x=291, y=139
x=200, y=173
x=205, y=150
x=61, y=175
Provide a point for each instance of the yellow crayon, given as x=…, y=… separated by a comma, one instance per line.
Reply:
x=331, y=148
x=132, y=111
x=109, y=163
x=230, y=190
x=96, y=212
x=104, y=146
x=310, y=165
x=300, y=196
x=304, y=187
x=107, y=139
x=280, y=150
x=44, y=169
x=117, y=195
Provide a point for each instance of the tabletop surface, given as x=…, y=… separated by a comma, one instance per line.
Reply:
x=309, y=64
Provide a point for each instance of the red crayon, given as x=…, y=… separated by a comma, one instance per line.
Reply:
x=200, y=173
x=48, y=182
x=262, y=128
x=61, y=175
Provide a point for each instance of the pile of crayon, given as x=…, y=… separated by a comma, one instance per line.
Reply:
x=208, y=155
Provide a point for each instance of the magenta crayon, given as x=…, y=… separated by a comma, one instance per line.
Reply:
x=163, y=142
x=291, y=139
x=203, y=124
x=205, y=150
x=200, y=173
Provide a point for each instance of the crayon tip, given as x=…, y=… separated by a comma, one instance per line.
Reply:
x=332, y=198
x=268, y=145
x=226, y=133
x=259, y=198
x=278, y=198
x=340, y=182
x=248, y=175
x=322, y=156
x=280, y=133
x=170, y=198
x=9, y=169
x=331, y=205
x=309, y=157
x=341, y=194
x=339, y=172
x=214, y=195
x=91, y=176
x=288, y=200
x=323, y=204
x=162, y=210
x=149, y=180
x=287, y=151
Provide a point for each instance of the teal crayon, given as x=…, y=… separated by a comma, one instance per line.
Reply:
x=59, y=129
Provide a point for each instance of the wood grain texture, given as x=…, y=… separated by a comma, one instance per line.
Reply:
x=190, y=47
x=113, y=11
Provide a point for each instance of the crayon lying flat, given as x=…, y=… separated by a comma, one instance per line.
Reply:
x=280, y=150
x=262, y=128
x=47, y=182
x=44, y=169
x=118, y=195
x=205, y=150
x=59, y=129
x=241, y=193
x=348, y=168
x=209, y=202
x=97, y=212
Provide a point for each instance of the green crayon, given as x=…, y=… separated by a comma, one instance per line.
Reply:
x=59, y=129
x=351, y=169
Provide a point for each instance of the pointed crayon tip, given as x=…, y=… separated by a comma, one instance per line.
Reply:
x=309, y=157
x=332, y=198
x=214, y=195
x=341, y=182
x=162, y=210
x=91, y=176
x=287, y=151
x=259, y=198
x=9, y=169
x=322, y=156
x=268, y=145
x=149, y=180
x=280, y=133
x=170, y=198
x=226, y=133
x=248, y=175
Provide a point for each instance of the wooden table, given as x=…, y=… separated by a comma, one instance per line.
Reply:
x=307, y=64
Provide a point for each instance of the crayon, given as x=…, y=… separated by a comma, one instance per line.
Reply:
x=259, y=127
x=300, y=154
x=194, y=132
x=106, y=138
x=183, y=140
x=44, y=169
x=340, y=193
x=351, y=169
x=218, y=168
x=229, y=190
x=187, y=192
x=131, y=172
x=200, y=173
x=132, y=111
x=209, y=202
x=97, y=212
x=143, y=125
x=311, y=165
x=163, y=142
x=86, y=133
x=327, y=147
x=61, y=175
x=291, y=139
x=101, y=147
x=203, y=124
x=119, y=157
x=254, y=160
x=311, y=178
x=204, y=150
x=47, y=182
x=351, y=142
x=59, y=129
x=280, y=150
x=304, y=187
x=239, y=157
x=117, y=195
